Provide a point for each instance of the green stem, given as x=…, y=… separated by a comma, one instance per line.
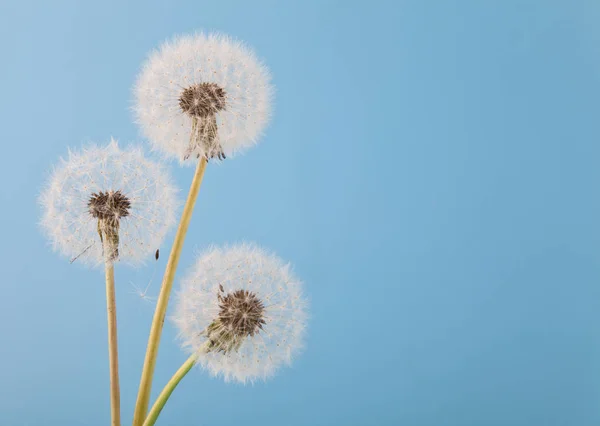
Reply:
x=168, y=390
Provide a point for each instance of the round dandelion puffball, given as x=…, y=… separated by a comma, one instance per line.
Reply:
x=242, y=311
x=202, y=96
x=105, y=203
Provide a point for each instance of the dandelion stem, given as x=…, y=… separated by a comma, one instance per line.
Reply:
x=168, y=390
x=113, y=355
x=143, y=398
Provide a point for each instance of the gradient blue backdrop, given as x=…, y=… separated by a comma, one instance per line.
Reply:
x=431, y=171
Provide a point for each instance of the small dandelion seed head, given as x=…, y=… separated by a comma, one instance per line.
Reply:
x=242, y=311
x=105, y=203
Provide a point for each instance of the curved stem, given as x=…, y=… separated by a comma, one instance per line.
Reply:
x=113, y=356
x=143, y=398
x=168, y=390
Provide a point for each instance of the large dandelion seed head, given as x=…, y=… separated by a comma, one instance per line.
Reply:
x=242, y=310
x=203, y=96
x=106, y=203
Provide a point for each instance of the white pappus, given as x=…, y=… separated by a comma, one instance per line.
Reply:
x=242, y=311
x=203, y=96
x=104, y=203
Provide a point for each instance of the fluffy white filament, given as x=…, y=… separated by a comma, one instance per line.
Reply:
x=66, y=218
x=196, y=59
x=247, y=267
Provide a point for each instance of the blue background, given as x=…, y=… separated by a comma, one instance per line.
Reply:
x=431, y=171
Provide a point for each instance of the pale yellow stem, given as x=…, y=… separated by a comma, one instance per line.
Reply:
x=143, y=398
x=113, y=354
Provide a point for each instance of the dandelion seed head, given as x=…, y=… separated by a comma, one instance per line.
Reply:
x=106, y=196
x=203, y=95
x=242, y=310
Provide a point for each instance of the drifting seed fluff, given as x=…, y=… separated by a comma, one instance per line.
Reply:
x=107, y=203
x=242, y=311
x=203, y=96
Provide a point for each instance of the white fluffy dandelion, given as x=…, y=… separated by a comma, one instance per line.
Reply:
x=203, y=96
x=242, y=311
x=104, y=203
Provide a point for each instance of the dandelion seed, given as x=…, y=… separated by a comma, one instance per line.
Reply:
x=142, y=293
x=73, y=259
x=242, y=311
x=203, y=96
x=107, y=203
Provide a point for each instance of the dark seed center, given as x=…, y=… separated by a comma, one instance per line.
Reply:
x=202, y=100
x=241, y=312
x=109, y=205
